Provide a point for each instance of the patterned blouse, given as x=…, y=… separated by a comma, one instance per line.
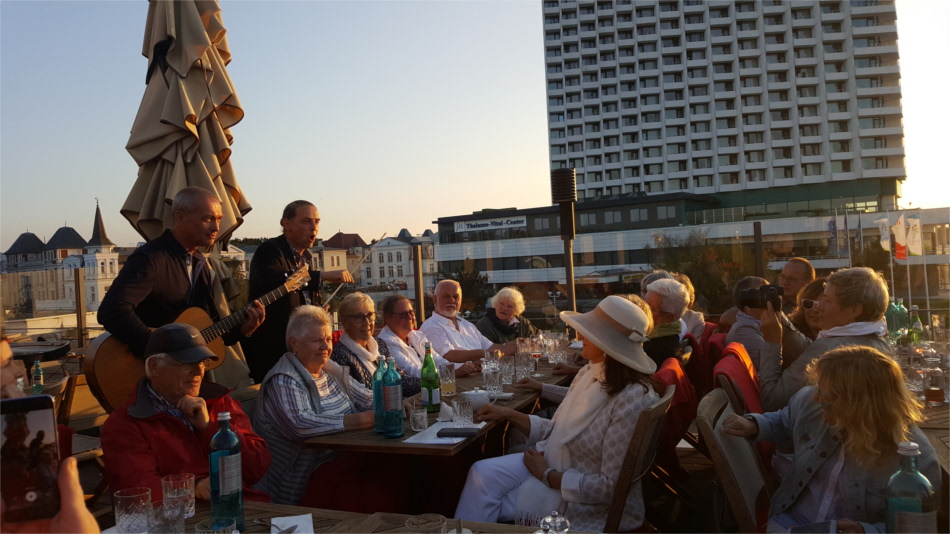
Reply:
x=345, y=357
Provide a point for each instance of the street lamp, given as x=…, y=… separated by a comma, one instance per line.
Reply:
x=554, y=295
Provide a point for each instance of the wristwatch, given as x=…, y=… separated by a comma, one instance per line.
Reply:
x=544, y=477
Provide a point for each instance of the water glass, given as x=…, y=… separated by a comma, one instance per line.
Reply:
x=522, y=365
x=462, y=412
x=182, y=488
x=419, y=418
x=131, y=510
x=166, y=517
x=506, y=367
x=492, y=380
x=217, y=525
x=447, y=379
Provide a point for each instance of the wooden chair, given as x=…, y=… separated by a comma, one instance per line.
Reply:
x=735, y=461
x=77, y=413
x=639, y=457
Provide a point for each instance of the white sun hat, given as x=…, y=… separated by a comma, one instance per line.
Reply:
x=617, y=327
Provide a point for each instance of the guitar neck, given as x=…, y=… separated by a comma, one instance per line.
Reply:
x=219, y=328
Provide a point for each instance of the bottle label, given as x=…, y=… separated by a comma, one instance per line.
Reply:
x=425, y=397
x=905, y=521
x=229, y=473
x=393, y=395
x=435, y=396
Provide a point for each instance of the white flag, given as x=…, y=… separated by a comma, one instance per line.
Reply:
x=915, y=245
x=885, y=228
x=900, y=232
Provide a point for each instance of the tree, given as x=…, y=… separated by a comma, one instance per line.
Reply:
x=474, y=286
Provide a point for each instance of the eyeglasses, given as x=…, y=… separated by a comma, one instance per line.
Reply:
x=405, y=316
x=808, y=304
x=369, y=317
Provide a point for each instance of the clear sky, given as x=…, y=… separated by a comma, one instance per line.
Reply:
x=386, y=115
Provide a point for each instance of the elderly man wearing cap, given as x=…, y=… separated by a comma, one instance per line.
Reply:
x=166, y=424
x=578, y=453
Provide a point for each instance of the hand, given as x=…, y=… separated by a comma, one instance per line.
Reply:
x=195, y=411
x=492, y=412
x=255, y=316
x=535, y=463
x=466, y=369
x=771, y=326
x=407, y=407
x=203, y=489
x=337, y=277
x=527, y=383
x=847, y=525
x=561, y=368
x=736, y=425
x=510, y=348
x=73, y=515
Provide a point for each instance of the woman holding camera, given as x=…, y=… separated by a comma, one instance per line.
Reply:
x=851, y=312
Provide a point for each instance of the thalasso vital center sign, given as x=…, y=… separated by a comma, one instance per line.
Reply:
x=491, y=224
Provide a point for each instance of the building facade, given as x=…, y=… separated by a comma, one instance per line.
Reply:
x=773, y=107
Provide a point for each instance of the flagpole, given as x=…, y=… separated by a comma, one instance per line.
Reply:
x=890, y=257
x=923, y=254
x=910, y=298
x=847, y=237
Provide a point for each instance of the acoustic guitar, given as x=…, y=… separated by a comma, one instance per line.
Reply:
x=112, y=370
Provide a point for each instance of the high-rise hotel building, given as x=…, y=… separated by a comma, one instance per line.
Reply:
x=774, y=107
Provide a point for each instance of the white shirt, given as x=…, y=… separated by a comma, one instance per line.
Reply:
x=409, y=358
x=445, y=337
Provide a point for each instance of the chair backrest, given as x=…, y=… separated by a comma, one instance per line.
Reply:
x=248, y=398
x=737, y=350
x=56, y=389
x=710, y=329
x=745, y=396
x=639, y=457
x=682, y=412
x=715, y=346
x=735, y=461
x=79, y=408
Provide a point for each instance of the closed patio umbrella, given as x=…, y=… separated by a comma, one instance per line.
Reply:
x=181, y=135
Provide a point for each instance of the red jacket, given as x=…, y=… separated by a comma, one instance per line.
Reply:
x=140, y=445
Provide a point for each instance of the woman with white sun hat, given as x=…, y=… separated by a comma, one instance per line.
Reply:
x=577, y=455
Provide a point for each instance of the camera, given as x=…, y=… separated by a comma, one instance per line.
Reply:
x=756, y=298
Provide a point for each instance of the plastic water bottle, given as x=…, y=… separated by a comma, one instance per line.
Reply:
x=916, y=332
x=392, y=392
x=911, y=506
x=379, y=399
x=891, y=316
x=225, y=468
x=37, y=378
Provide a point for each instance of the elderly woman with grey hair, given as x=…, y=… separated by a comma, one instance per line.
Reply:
x=851, y=312
x=504, y=321
x=306, y=395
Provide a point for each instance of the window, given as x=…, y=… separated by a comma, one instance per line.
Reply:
x=699, y=72
x=724, y=142
x=703, y=181
x=678, y=184
x=873, y=142
x=588, y=219
x=749, y=63
x=838, y=127
x=672, y=96
x=811, y=169
x=645, y=48
x=774, y=38
x=723, y=105
x=722, y=68
x=751, y=100
x=867, y=62
x=751, y=138
x=778, y=115
x=702, y=163
x=750, y=81
x=755, y=156
x=775, y=57
x=773, y=20
x=653, y=170
x=694, y=19
x=811, y=150
x=650, y=100
x=653, y=152
x=782, y=153
x=398, y=271
x=804, y=53
x=802, y=33
x=807, y=91
x=723, y=87
x=726, y=123
x=727, y=159
x=651, y=135
x=694, y=55
x=833, y=48
x=841, y=166
x=700, y=90
x=778, y=96
x=638, y=214
x=699, y=127
x=675, y=131
x=729, y=178
x=647, y=83
x=666, y=212
x=748, y=44
x=746, y=26
x=873, y=163
x=670, y=42
x=701, y=144
x=752, y=119
x=719, y=13
x=674, y=77
x=382, y=272
x=719, y=31
x=838, y=107
x=612, y=217
x=809, y=130
x=698, y=109
x=674, y=113
x=781, y=133
x=840, y=146
x=777, y=77
x=807, y=111
x=755, y=175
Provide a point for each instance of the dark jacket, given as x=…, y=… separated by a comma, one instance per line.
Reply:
x=273, y=261
x=153, y=289
x=492, y=332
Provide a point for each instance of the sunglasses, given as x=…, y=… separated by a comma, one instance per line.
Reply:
x=808, y=304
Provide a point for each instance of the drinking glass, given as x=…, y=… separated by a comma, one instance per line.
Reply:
x=131, y=510
x=492, y=379
x=506, y=367
x=419, y=418
x=181, y=487
x=522, y=365
x=536, y=351
x=166, y=517
x=218, y=525
x=447, y=379
x=462, y=412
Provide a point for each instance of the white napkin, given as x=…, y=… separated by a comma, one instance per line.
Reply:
x=304, y=524
x=445, y=413
x=577, y=345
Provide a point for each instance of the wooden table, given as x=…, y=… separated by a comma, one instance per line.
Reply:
x=336, y=521
x=367, y=440
x=937, y=430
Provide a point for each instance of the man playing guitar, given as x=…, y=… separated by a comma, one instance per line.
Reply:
x=168, y=275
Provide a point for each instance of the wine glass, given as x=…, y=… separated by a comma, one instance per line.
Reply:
x=536, y=351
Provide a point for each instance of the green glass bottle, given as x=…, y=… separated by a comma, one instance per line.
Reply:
x=911, y=506
x=430, y=383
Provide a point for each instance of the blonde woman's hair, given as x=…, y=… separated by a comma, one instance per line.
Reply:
x=353, y=301
x=304, y=319
x=860, y=285
x=510, y=293
x=869, y=402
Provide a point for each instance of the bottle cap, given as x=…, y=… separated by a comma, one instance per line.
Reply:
x=224, y=416
x=908, y=448
x=914, y=308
